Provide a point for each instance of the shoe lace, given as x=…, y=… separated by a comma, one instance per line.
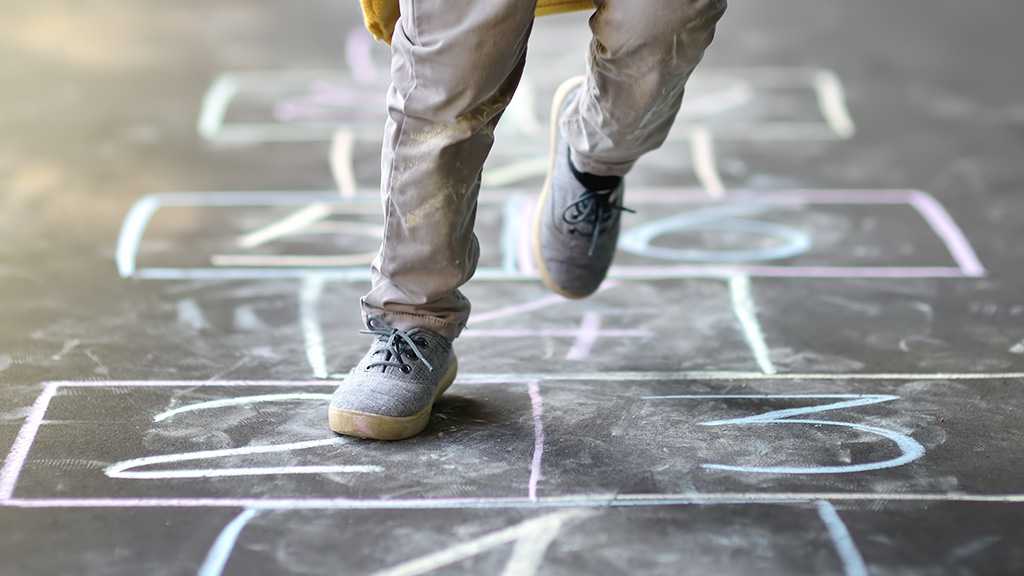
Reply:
x=397, y=346
x=593, y=208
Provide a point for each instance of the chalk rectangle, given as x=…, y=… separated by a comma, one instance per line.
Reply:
x=604, y=425
x=505, y=220
x=769, y=103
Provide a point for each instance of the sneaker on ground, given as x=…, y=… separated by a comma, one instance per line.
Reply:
x=576, y=225
x=389, y=394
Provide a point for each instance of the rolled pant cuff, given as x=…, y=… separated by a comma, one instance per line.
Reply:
x=406, y=321
x=599, y=168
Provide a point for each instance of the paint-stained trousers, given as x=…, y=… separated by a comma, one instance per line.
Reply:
x=455, y=65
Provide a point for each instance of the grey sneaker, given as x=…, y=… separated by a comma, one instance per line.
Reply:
x=576, y=225
x=389, y=394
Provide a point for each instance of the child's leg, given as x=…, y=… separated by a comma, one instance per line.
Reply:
x=641, y=56
x=455, y=66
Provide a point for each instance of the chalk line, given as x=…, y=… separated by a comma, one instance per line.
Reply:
x=746, y=313
x=947, y=230
x=132, y=229
x=702, y=151
x=124, y=469
x=15, y=460
x=285, y=226
x=910, y=449
x=832, y=103
x=215, y=105
x=495, y=503
x=342, y=162
x=220, y=552
x=853, y=562
x=510, y=231
x=309, y=318
x=537, y=407
x=519, y=309
x=513, y=172
x=538, y=529
x=586, y=336
x=357, y=55
x=241, y=401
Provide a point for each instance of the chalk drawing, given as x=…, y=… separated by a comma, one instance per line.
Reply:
x=313, y=103
x=234, y=367
x=967, y=263
x=240, y=401
x=1017, y=348
x=702, y=150
x=532, y=539
x=126, y=469
x=637, y=239
x=585, y=336
x=853, y=562
x=537, y=407
x=358, y=44
x=513, y=172
x=833, y=123
x=18, y=454
x=220, y=552
x=520, y=309
x=502, y=503
x=309, y=319
x=342, y=162
x=746, y=314
x=69, y=345
x=910, y=449
x=190, y=314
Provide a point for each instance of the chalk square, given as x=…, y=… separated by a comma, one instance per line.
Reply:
x=510, y=253
x=157, y=443
x=711, y=437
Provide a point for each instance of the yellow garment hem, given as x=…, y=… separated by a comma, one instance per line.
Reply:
x=380, y=15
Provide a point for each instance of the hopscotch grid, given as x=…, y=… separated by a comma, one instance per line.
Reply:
x=931, y=211
x=18, y=455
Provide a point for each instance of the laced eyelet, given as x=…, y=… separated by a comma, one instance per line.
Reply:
x=406, y=369
x=422, y=342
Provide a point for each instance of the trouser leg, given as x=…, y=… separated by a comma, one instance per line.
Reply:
x=641, y=56
x=455, y=66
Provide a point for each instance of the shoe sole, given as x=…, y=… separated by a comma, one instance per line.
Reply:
x=538, y=256
x=378, y=427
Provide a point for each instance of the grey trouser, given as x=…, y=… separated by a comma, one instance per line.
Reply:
x=455, y=65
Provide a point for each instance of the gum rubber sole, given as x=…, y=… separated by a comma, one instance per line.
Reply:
x=538, y=256
x=378, y=427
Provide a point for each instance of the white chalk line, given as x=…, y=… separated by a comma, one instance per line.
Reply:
x=215, y=105
x=242, y=401
x=124, y=470
x=832, y=103
x=538, y=534
x=849, y=556
x=519, y=309
x=220, y=552
x=910, y=449
x=15, y=460
x=569, y=501
x=309, y=318
x=587, y=335
x=746, y=313
x=702, y=150
x=285, y=226
x=537, y=409
x=342, y=161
